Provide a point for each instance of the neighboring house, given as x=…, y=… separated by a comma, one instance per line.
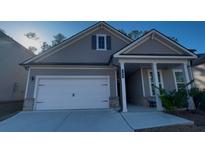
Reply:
x=198, y=68
x=13, y=76
x=99, y=65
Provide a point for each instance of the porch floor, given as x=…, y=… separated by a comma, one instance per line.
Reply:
x=140, y=117
x=136, y=108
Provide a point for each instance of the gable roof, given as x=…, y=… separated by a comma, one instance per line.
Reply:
x=2, y=34
x=75, y=37
x=200, y=60
x=151, y=33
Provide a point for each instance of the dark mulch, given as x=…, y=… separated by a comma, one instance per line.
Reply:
x=10, y=108
x=4, y=116
x=198, y=118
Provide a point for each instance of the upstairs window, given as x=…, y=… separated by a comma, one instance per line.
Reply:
x=101, y=42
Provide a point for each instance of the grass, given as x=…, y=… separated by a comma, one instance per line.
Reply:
x=198, y=118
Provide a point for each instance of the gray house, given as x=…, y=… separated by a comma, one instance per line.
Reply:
x=102, y=68
x=12, y=76
x=198, y=68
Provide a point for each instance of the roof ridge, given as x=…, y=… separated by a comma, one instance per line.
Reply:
x=76, y=35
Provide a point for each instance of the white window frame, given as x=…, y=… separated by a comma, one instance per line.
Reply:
x=175, y=80
x=150, y=82
x=97, y=42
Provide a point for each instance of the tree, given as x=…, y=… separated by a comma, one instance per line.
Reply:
x=135, y=34
x=173, y=39
x=32, y=48
x=58, y=39
x=122, y=31
x=45, y=46
x=31, y=35
x=3, y=31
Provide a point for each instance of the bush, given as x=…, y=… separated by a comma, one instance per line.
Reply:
x=198, y=98
x=202, y=103
x=173, y=99
x=196, y=95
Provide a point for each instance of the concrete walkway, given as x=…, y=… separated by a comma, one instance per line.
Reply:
x=141, y=120
x=106, y=120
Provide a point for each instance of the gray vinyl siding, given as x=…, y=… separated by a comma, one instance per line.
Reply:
x=13, y=76
x=81, y=51
x=199, y=76
x=155, y=47
x=167, y=77
x=152, y=47
x=146, y=82
x=134, y=87
x=99, y=72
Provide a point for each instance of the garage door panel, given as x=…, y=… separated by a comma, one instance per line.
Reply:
x=72, y=93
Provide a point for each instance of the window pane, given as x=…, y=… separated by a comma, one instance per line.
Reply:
x=179, y=76
x=153, y=90
x=152, y=82
x=159, y=76
x=101, y=42
x=151, y=77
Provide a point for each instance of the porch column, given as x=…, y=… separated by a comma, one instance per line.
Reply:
x=191, y=105
x=156, y=83
x=123, y=87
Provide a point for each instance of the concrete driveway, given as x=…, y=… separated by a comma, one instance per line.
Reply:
x=106, y=120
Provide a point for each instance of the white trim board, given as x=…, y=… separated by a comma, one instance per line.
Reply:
x=142, y=78
x=97, y=42
x=150, y=61
x=68, y=67
x=27, y=83
x=149, y=79
x=154, y=57
x=116, y=86
x=173, y=73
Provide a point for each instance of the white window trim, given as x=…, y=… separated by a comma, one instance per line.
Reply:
x=97, y=43
x=150, y=84
x=175, y=80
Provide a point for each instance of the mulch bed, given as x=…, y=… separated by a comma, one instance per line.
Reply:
x=198, y=118
x=4, y=116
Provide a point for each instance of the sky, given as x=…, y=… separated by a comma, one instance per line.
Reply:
x=189, y=34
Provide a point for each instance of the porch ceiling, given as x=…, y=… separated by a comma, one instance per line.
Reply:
x=132, y=67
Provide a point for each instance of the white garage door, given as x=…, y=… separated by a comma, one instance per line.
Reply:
x=72, y=92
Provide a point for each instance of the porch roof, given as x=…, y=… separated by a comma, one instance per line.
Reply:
x=124, y=52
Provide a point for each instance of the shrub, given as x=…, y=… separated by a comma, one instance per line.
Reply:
x=198, y=98
x=173, y=99
x=167, y=101
x=196, y=95
x=180, y=98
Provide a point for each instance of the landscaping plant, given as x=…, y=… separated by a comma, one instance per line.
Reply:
x=198, y=98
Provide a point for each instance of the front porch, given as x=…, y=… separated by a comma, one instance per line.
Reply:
x=138, y=77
